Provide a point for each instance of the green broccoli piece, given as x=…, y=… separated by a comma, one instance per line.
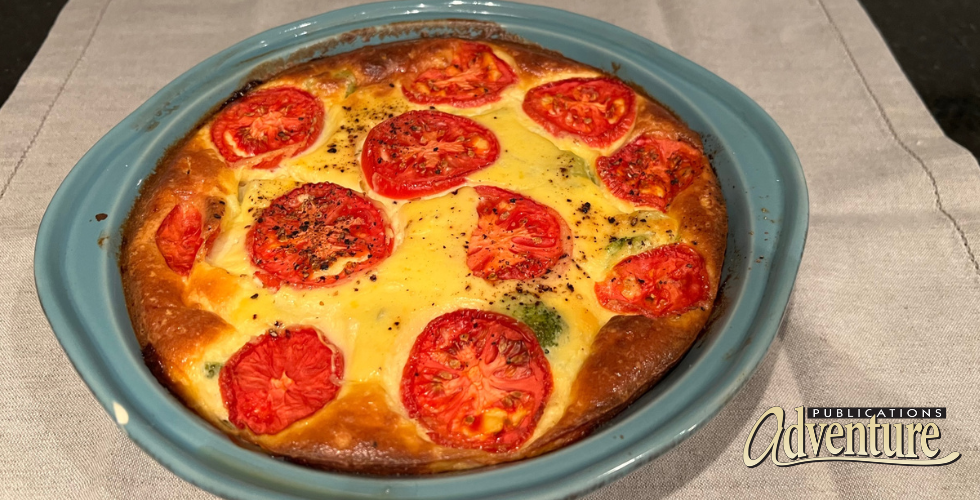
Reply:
x=578, y=167
x=351, y=81
x=619, y=244
x=212, y=368
x=545, y=321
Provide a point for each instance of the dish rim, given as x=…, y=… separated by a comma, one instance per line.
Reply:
x=218, y=470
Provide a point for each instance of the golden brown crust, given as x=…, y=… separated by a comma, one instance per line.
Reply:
x=359, y=431
x=161, y=319
x=538, y=62
x=632, y=353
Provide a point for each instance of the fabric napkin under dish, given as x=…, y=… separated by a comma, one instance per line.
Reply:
x=885, y=310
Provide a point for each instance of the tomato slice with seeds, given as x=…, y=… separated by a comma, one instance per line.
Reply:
x=278, y=379
x=477, y=379
x=267, y=126
x=471, y=76
x=317, y=235
x=421, y=153
x=650, y=171
x=516, y=238
x=179, y=237
x=598, y=111
x=666, y=280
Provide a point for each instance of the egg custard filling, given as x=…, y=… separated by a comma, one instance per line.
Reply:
x=424, y=256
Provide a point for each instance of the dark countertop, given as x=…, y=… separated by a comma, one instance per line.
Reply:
x=936, y=42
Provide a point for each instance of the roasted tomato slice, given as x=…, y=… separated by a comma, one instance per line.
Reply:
x=317, y=235
x=420, y=153
x=276, y=380
x=598, y=111
x=268, y=125
x=471, y=76
x=516, y=238
x=666, y=280
x=179, y=237
x=650, y=171
x=477, y=379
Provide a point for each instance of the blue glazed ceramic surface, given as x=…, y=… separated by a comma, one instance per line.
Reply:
x=79, y=283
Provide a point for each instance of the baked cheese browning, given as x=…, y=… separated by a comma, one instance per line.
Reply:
x=631, y=354
x=423, y=153
x=436, y=190
x=515, y=238
x=360, y=431
x=465, y=74
x=477, y=379
x=375, y=318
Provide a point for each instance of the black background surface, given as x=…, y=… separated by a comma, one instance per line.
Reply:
x=936, y=42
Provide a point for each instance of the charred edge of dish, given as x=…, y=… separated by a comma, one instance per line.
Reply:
x=609, y=414
x=245, y=442
x=642, y=92
x=521, y=44
x=712, y=147
x=720, y=305
x=446, y=28
x=133, y=222
x=238, y=94
x=436, y=28
x=137, y=213
x=373, y=469
x=155, y=364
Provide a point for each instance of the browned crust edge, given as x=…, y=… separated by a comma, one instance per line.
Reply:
x=629, y=355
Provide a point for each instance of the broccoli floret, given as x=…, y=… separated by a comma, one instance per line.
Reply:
x=578, y=167
x=351, y=81
x=545, y=321
x=619, y=244
x=212, y=368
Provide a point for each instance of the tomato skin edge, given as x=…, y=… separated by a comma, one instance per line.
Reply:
x=273, y=280
x=178, y=237
x=608, y=292
x=508, y=76
x=412, y=405
x=381, y=137
x=532, y=266
x=601, y=140
x=609, y=168
x=269, y=159
x=230, y=383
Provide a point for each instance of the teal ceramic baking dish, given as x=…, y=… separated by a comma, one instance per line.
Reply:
x=79, y=283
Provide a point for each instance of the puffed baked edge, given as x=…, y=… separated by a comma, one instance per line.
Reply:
x=360, y=432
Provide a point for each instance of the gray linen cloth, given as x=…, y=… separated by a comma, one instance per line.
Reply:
x=885, y=310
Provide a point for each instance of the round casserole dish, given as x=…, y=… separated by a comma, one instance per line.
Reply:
x=751, y=156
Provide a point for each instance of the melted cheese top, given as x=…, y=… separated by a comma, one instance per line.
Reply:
x=375, y=317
